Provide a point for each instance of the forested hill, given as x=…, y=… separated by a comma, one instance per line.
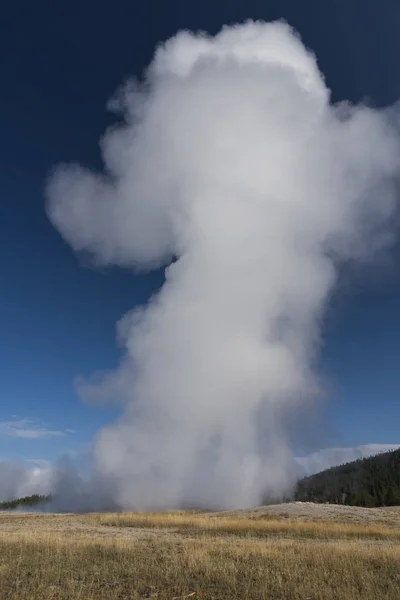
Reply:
x=26, y=502
x=373, y=481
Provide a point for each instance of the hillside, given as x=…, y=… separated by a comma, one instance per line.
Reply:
x=369, y=482
x=26, y=502
x=200, y=556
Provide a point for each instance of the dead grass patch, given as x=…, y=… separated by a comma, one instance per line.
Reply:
x=89, y=561
x=206, y=524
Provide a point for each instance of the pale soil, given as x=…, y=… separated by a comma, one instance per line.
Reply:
x=71, y=525
x=331, y=512
x=294, y=551
x=84, y=525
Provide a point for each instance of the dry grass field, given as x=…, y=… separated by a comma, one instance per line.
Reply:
x=270, y=553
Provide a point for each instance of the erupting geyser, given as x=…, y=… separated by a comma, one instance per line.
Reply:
x=232, y=159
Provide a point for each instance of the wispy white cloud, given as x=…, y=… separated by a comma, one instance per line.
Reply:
x=40, y=463
x=31, y=429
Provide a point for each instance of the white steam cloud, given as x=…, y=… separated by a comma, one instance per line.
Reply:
x=232, y=160
x=331, y=457
x=18, y=480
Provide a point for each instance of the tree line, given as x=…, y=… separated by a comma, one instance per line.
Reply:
x=26, y=502
x=370, y=482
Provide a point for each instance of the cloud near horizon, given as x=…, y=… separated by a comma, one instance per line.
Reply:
x=40, y=476
x=332, y=457
x=18, y=479
x=30, y=429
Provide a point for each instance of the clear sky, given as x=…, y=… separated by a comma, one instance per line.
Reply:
x=61, y=62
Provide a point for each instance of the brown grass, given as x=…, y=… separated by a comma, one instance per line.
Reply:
x=166, y=556
x=270, y=526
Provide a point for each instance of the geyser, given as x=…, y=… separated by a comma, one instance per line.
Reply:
x=232, y=159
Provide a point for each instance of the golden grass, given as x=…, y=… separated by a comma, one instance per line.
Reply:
x=39, y=560
x=271, y=526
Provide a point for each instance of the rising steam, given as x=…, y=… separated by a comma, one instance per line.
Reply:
x=232, y=160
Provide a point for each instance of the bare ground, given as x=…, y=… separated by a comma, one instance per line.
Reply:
x=294, y=551
x=88, y=525
x=71, y=525
x=331, y=512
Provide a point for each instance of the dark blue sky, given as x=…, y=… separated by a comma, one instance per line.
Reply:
x=61, y=61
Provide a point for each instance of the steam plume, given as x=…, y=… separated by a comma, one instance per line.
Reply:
x=232, y=160
x=18, y=480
